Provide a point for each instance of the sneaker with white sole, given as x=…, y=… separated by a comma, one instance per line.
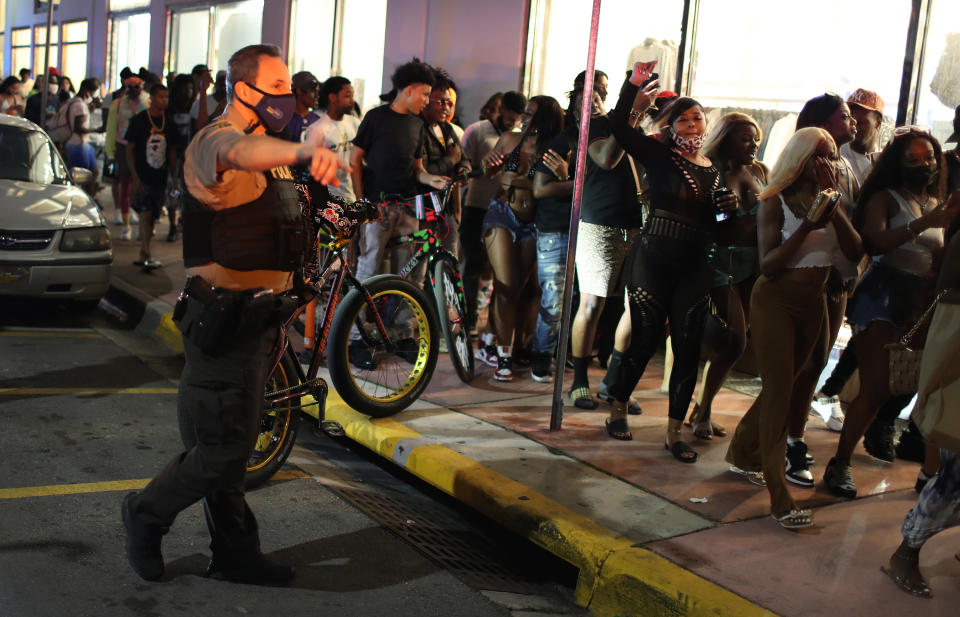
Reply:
x=829, y=407
x=486, y=354
x=540, y=367
x=125, y=233
x=797, y=468
x=504, y=370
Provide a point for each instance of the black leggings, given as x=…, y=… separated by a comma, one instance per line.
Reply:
x=669, y=279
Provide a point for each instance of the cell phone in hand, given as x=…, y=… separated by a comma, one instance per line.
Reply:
x=648, y=80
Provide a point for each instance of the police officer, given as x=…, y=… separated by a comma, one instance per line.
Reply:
x=243, y=237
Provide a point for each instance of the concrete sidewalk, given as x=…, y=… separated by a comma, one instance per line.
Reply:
x=650, y=536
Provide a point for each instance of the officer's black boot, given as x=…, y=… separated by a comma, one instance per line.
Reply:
x=252, y=569
x=143, y=542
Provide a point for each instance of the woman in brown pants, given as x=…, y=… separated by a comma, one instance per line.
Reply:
x=788, y=315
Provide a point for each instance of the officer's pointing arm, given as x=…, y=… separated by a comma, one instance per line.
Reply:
x=261, y=152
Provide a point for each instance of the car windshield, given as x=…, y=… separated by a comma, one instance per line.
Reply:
x=29, y=155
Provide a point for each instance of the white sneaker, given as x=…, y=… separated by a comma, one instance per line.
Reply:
x=125, y=233
x=134, y=217
x=829, y=409
x=117, y=218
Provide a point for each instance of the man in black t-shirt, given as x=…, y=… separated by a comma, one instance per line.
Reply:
x=151, y=152
x=390, y=142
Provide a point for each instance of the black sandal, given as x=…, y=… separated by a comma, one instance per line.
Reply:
x=633, y=405
x=681, y=448
x=618, y=429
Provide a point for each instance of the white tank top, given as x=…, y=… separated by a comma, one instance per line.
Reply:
x=817, y=249
x=915, y=256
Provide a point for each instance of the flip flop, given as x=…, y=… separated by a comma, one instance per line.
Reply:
x=904, y=584
x=581, y=399
x=618, y=429
x=679, y=449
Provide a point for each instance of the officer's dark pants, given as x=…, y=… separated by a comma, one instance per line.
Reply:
x=222, y=397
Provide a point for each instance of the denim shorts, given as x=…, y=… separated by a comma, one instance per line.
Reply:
x=500, y=214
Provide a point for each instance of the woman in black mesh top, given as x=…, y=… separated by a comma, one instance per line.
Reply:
x=669, y=276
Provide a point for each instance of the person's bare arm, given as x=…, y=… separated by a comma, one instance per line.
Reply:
x=424, y=177
x=134, y=178
x=850, y=242
x=203, y=115
x=356, y=171
x=880, y=238
x=606, y=152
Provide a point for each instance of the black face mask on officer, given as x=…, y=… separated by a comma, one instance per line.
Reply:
x=273, y=110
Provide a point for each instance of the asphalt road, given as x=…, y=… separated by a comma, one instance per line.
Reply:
x=87, y=411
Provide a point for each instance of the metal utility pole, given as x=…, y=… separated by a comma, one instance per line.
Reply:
x=46, y=68
x=556, y=412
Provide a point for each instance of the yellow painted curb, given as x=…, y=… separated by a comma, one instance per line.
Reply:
x=617, y=577
x=168, y=334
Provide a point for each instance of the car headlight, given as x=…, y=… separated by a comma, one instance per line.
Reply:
x=85, y=239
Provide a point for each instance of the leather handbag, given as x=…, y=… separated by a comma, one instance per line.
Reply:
x=904, y=360
x=937, y=412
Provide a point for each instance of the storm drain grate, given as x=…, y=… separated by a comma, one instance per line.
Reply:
x=468, y=555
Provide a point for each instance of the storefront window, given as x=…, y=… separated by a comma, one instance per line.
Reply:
x=211, y=35
x=74, y=63
x=311, y=36
x=39, y=48
x=129, y=45
x=765, y=62
x=20, y=50
x=939, y=89
x=361, y=48
x=235, y=26
x=560, y=32
x=189, y=40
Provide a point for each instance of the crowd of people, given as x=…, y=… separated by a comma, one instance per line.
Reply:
x=708, y=248
x=695, y=240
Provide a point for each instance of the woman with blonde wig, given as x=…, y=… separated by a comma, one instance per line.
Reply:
x=798, y=229
x=732, y=146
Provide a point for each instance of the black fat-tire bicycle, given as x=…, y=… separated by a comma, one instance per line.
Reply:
x=443, y=271
x=386, y=317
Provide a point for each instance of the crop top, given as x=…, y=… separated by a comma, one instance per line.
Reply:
x=818, y=247
x=916, y=256
x=511, y=163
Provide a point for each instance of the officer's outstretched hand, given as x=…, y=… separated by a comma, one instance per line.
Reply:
x=324, y=165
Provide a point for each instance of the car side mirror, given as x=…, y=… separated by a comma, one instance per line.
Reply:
x=81, y=176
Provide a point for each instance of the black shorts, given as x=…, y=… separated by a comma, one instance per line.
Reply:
x=148, y=199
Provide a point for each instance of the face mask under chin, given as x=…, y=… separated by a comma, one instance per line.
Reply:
x=920, y=175
x=690, y=145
